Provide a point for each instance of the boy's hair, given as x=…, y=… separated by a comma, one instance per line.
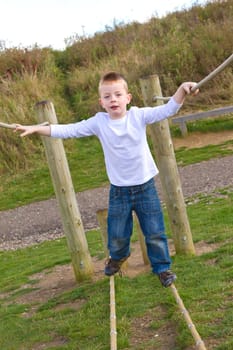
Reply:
x=113, y=76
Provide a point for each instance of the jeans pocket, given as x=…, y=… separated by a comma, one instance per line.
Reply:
x=150, y=203
x=117, y=205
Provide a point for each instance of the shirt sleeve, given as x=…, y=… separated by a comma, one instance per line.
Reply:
x=161, y=112
x=80, y=129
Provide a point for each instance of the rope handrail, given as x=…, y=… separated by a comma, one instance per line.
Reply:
x=7, y=126
x=13, y=126
x=203, y=81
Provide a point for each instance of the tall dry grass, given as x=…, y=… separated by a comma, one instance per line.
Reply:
x=21, y=87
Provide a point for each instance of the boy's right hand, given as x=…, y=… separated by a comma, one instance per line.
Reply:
x=43, y=130
x=26, y=129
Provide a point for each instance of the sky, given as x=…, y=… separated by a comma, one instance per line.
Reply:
x=47, y=23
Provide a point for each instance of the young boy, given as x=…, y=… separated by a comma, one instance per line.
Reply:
x=130, y=168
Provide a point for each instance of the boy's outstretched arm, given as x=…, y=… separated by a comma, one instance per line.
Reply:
x=183, y=90
x=43, y=130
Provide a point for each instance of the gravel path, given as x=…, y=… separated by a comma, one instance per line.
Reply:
x=40, y=221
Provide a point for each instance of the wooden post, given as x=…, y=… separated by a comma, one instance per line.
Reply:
x=102, y=220
x=63, y=187
x=169, y=174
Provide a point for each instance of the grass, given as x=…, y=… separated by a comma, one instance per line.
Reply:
x=79, y=318
x=205, y=282
x=185, y=156
x=206, y=125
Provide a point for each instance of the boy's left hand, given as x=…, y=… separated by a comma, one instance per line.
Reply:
x=188, y=86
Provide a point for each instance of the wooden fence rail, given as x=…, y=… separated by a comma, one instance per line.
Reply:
x=182, y=120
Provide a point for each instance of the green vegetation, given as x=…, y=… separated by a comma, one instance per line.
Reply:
x=205, y=126
x=78, y=317
x=185, y=45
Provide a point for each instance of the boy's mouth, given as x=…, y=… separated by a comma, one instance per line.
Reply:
x=114, y=107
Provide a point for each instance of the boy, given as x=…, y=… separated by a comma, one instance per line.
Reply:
x=130, y=168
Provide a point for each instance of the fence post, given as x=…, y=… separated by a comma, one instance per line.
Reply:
x=165, y=155
x=63, y=187
x=102, y=220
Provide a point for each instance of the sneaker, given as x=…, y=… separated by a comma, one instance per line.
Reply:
x=113, y=266
x=167, y=278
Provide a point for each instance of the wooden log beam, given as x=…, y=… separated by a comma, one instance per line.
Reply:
x=199, y=342
x=113, y=329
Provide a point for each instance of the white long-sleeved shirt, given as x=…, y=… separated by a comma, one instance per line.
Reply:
x=127, y=155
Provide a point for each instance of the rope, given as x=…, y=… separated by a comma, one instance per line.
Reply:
x=214, y=73
x=13, y=126
x=203, y=81
x=199, y=343
x=7, y=126
x=113, y=332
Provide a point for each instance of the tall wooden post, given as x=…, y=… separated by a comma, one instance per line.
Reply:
x=169, y=175
x=65, y=194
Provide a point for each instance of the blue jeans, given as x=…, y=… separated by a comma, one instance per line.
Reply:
x=144, y=201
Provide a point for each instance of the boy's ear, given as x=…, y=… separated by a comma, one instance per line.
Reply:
x=129, y=97
x=100, y=102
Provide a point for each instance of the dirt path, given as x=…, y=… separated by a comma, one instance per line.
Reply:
x=199, y=139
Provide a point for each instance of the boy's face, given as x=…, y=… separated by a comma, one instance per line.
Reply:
x=114, y=98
